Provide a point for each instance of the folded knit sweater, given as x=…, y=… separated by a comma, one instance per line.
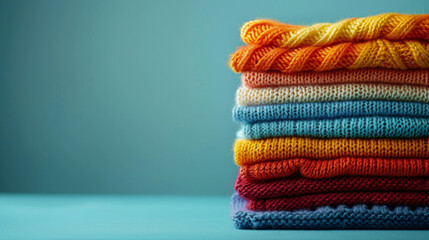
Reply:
x=301, y=186
x=255, y=151
x=417, y=77
x=341, y=217
x=330, y=93
x=329, y=110
x=344, y=166
x=392, y=26
x=357, y=127
x=407, y=54
x=410, y=199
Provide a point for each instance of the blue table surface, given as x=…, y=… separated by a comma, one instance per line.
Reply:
x=144, y=217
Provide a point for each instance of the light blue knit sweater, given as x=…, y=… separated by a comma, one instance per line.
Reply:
x=354, y=127
x=329, y=110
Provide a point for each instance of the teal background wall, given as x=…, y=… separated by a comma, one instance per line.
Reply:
x=131, y=96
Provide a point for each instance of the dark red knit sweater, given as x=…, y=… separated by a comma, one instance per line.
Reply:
x=411, y=199
x=299, y=186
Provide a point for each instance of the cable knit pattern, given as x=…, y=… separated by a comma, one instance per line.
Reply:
x=300, y=186
x=329, y=93
x=253, y=151
x=341, y=217
x=410, y=199
x=378, y=53
x=358, y=127
x=328, y=110
x=390, y=26
x=368, y=75
x=345, y=166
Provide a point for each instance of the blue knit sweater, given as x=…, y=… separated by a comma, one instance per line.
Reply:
x=341, y=217
x=324, y=110
x=355, y=127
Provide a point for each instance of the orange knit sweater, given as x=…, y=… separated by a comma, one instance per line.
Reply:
x=370, y=54
x=391, y=26
x=253, y=151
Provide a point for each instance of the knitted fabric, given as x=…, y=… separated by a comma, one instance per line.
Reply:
x=388, y=26
x=410, y=199
x=357, y=127
x=371, y=54
x=345, y=166
x=368, y=75
x=341, y=217
x=328, y=93
x=300, y=186
x=253, y=151
x=328, y=110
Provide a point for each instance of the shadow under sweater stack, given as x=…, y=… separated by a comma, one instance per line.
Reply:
x=335, y=124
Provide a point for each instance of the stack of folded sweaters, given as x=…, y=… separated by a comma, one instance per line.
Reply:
x=335, y=124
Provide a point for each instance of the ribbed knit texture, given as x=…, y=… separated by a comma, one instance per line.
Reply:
x=410, y=199
x=370, y=54
x=390, y=26
x=253, y=151
x=328, y=110
x=369, y=75
x=358, y=127
x=341, y=217
x=345, y=166
x=301, y=186
x=329, y=93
